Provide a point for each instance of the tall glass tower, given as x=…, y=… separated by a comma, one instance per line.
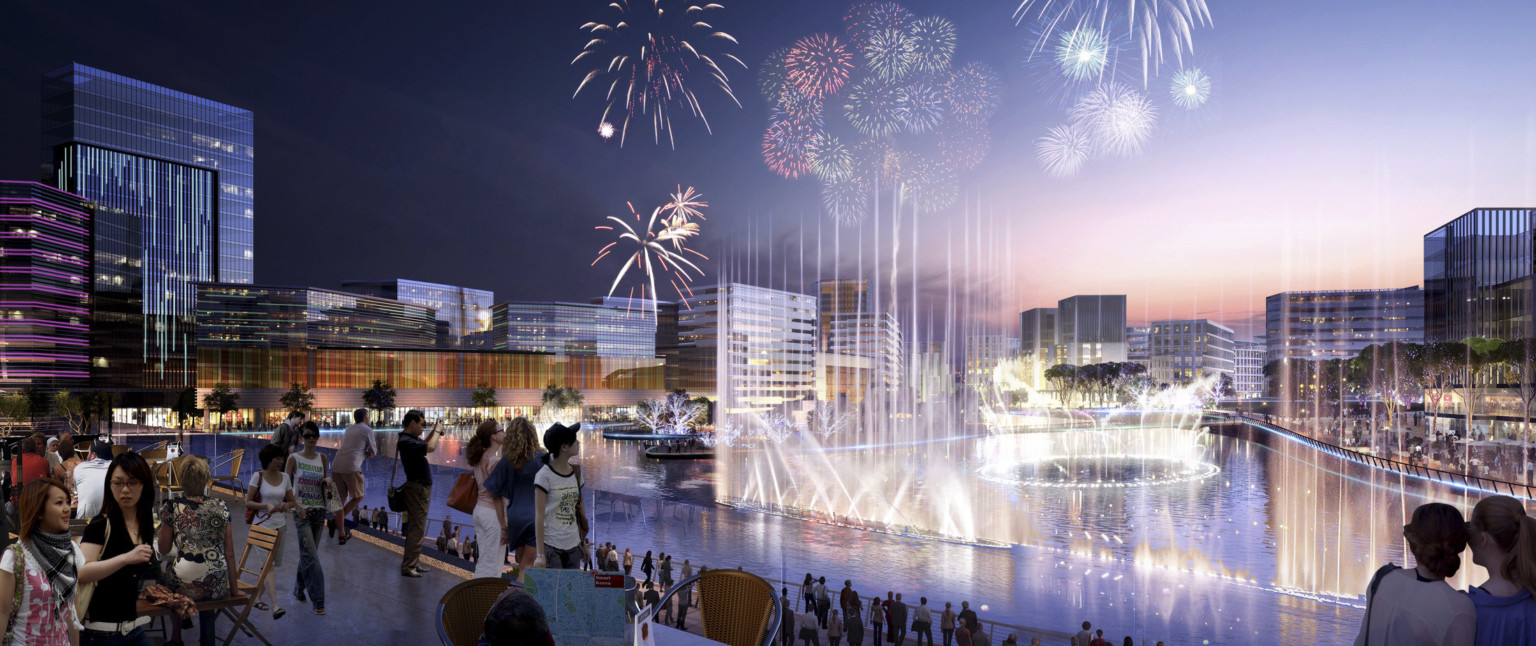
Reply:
x=171, y=177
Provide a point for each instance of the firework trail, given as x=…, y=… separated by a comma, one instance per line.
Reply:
x=772, y=75
x=1064, y=150
x=1191, y=88
x=1082, y=53
x=645, y=250
x=684, y=207
x=1119, y=118
x=649, y=57
x=818, y=65
x=1154, y=24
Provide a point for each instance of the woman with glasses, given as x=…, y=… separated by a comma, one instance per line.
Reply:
x=310, y=473
x=117, y=548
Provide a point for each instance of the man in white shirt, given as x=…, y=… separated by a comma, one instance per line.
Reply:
x=357, y=444
x=91, y=480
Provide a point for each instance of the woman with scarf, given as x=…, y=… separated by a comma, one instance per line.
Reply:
x=49, y=562
x=117, y=547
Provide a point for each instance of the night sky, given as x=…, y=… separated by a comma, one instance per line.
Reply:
x=440, y=142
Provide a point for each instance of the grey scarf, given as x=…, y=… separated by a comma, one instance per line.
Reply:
x=58, y=554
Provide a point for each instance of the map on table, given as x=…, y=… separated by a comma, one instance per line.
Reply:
x=578, y=611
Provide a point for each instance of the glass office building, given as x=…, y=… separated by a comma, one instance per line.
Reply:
x=1248, y=379
x=836, y=299
x=573, y=328
x=465, y=311
x=1477, y=276
x=44, y=315
x=270, y=316
x=1089, y=330
x=1338, y=324
x=753, y=347
x=171, y=177
x=1185, y=350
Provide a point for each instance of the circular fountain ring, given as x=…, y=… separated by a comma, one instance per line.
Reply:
x=1101, y=471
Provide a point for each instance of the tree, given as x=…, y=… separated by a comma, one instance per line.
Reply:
x=13, y=409
x=37, y=402
x=574, y=398
x=98, y=405
x=1225, y=389
x=1443, y=360
x=186, y=407
x=1481, y=360
x=298, y=399
x=72, y=409
x=380, y=398
x=556, y=398
x=1063, y=376
x=1519, y=359
x=484, y=396
x=220, y=401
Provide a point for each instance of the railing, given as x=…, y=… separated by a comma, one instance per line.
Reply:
x=1419, y=471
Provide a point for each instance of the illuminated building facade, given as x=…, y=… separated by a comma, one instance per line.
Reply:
x=44, y=305
x=573, y=328
x=1338, y=324
x=836, y=299
x=1138, y=344
x=1477, y=276
x=170, y=175
x=752, y=347
x=982, y=354
x=1185, y=350
x=268, y=316
x=1248, y=377
x=1090, y=329
x=466, y=313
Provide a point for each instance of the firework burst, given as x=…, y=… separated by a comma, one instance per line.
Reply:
x=645, y=250
x=878, y=165
x=773, y=75
x=972, y=91
x=1191, y=88
x=652, y=52
x=1119, y=118
x=1154, y=24
x=931, y=185
x=1082, y=53
x=921, y=107
x=818, y=65
x=845, y=201
x=964, y=144
x=866, y=18
x=605, y=130
x=933, y=44
x=872, y=107
x=684, y=207
x=796, y=106
x=831, y=160
x=890, y=53
x=1064, y=150
x=786, y=145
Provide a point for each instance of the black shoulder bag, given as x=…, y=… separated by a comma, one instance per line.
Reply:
x=1370, y=597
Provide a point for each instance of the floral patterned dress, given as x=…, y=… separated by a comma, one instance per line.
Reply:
x=199, y=570
x=35, y=623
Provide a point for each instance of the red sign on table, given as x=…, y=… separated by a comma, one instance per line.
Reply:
x=607, y=580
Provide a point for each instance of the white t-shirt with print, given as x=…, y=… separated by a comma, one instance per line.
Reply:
x=35, y=623
x=563, y=492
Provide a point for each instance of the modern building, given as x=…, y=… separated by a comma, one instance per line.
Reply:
x=875, y=336
x=1090, y=329
x=1338, y=324
x=982, y=354
x=836, y=299
x=573, y=328
x=1477, y=276
x=44, y=300
x=932, y=376
x=170, y=175
x=269, y=316
x=1138, y=344
x=1248, y=378
x=1185, y=350
x=754, y=348
x=464, y=311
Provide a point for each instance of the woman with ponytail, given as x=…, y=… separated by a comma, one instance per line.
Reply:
x=490, y=511
x=1415, y=606
x=1503, y=540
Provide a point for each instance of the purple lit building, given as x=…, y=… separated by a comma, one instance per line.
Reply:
x=44, y=277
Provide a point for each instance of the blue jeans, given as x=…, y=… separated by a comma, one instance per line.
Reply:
x=310, y=579
x=136, y=637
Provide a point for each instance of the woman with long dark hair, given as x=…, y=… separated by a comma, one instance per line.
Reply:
x=490, y=509
x=118, y=548
x=45, y=563
x=270, y=493
x=512, y=480
x=1415, y=606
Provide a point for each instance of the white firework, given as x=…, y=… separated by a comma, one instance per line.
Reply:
x=1064, y=150
x=1119, y=119
x=1154, y=24
x=1191, y=88
x=1082, y=53
x=605, y=130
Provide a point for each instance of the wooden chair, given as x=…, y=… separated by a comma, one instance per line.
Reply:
x=461, y=612
x=83, y=449
x=119, y=449
x=265, y=539
x=165, y=479
x=751, y=615
x=233, y=479
x=153, y=454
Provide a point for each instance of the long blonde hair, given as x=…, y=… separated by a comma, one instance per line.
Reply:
x=1504, y=519
x=521, y=442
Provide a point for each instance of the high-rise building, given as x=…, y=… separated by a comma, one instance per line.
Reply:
x=932, y=376
x=465, y=311
x=170, y=175
x=269, y=316
x=1477, y=276
x=1189, y=349
x=1037, y=342
x=753, y=347
x=836, y=299
x=1338, y=324
x=1248, y=378
x=1138, y=344
x=982, y=354
x=44, y=300
x=1089, y=330
x=573, y=328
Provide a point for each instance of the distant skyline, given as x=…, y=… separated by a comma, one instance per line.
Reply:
x=445, y=146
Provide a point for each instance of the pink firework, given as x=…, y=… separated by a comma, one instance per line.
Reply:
x=818, y=65
x=786, y=147
x=866, y=18
x=964, y=144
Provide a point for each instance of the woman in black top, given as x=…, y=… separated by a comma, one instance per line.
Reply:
x=117, y=550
